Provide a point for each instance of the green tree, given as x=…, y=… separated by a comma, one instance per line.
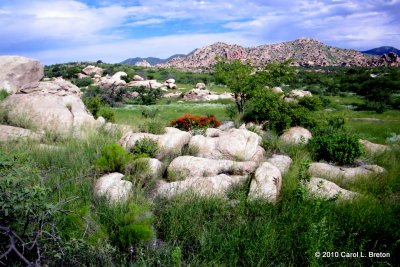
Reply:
x=243, y=82
x=237, y=76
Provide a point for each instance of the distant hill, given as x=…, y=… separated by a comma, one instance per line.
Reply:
x=151, y=60
x=303, y=51
x=382, y=50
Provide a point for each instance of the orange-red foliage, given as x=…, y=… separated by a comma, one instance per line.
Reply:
x=187, y=122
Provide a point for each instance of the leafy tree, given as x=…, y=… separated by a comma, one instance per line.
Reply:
x=237, y=76
x=244, y=83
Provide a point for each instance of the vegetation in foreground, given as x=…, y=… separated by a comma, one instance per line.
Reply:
x=46, y=198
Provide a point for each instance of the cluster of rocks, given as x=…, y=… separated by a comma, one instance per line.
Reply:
x=226, y=157
x=303, y=51
x=200, y=93
x=115, y=81
x=294, y=95
x=38, y=106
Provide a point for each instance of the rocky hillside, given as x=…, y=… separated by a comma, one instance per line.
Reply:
x=303, y=51
x=151, y=60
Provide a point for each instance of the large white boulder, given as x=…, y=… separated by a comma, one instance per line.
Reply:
x=16, y=71
x=188, y=166
x=118, y=75
x=232, y=144
x=197, y=94
x=138, y=78
x=53, y=106
x=266, y=184
x=373, y=148
x=11, y=133
x=113, y=187
x=200, y=86
x=217, y=185
x=299, y=94
x=93, y=70
x=328, y=171
x=282, y=162
x=296, y=135
x=172, y=141
x=321, y=188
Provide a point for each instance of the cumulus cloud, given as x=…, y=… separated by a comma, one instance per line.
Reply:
x=64, y=30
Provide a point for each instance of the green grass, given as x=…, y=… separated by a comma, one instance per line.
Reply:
x=376, y=131
x=132, y=115
x=215, y=231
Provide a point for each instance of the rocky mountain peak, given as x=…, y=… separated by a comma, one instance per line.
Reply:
x=304, y=51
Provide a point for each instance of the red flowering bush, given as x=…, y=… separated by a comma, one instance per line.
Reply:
x=188, y=122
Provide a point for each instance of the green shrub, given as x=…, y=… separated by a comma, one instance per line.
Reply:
x=339, y=147
x=152, y=126
x=150, y=112
x=312, y=103
x=93, y=104
x=301, y=116
x=3, y=94
x=129, y=225
x=135, y=227
x=277, y=115
x=113, y=159
x=147, y=96
x=82, y=82
x=107, y=113
x=145, y=146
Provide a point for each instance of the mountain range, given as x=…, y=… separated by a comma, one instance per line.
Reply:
x=151, y=60
x=380, y=51
x=302, y=52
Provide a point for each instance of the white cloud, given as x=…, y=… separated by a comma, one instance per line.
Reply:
x=71, y=30
x=118, y=51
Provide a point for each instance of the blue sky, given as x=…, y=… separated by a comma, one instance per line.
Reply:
x=57, y=31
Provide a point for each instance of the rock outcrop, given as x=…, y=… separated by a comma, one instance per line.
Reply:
x=282, y=162
x=296, y=135
x=172, y=141
x=205, y=95
x=266, y=184
x=329, y=172
x=321, y=188
x=113, y=187
x=93, y=70
x=232, y=144
x=373, y=148
x=53, y=106
x=16, y=71
x=217, y=185
x=187, y=167
x=11, y=133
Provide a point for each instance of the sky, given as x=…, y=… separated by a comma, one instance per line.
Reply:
x=58, y=31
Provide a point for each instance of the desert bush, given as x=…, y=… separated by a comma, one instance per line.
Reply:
x=3, y=94
x=153, y=126
x=93, y=104
x=189, y=122
x=338, y=146
x=277, y=115
x=145, y=146
x=107, y=113
x=113, y=159
x=150, y=112
x=312, y=103
x=129, y=225
x=82, y=82
x=147, y=96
